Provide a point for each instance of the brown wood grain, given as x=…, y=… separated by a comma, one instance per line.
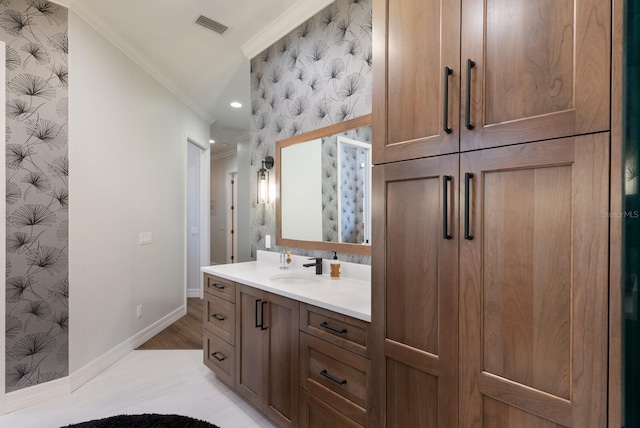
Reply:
x=281, y=360
x=249, y=348
x=535, y=314
x=216, y=347
x=317, y=355
x=412, y=398
x=314, y=413
x=418, y=288
x=221, y=287
x=615, y=222
x=542, y=70
x=186, y=333
x=220, y=318
x=355, y=338
x=414, y=40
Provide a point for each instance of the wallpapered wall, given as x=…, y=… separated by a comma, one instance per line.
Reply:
x=317, y=75
x=35, y=33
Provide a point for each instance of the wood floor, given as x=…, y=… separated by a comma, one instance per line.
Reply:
x=186, y=333
x=168, y=382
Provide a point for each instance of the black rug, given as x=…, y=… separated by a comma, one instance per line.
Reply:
x=145, y=421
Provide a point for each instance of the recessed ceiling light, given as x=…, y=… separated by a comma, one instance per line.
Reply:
x=212, y=141
x=236, y=104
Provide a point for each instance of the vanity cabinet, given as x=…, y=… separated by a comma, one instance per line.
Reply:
x=267, y=353
x=490, y=292
x=468, y=75
x=335, y=370
x=219, y=327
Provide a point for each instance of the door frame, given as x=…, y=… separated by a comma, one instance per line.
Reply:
x=205, y=237
x=232, y=217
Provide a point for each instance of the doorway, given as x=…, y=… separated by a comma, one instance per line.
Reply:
x=197, y=228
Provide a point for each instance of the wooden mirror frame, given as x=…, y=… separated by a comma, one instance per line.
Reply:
x=340, y=247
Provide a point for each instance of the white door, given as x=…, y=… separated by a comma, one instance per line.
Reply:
x=193, y=220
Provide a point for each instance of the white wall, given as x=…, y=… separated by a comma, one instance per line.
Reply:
x=301, y=191
x=127, y=153
x=220, y=188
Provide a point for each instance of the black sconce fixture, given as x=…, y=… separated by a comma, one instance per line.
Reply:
x=263, y=180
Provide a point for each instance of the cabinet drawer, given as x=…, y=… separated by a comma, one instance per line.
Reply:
x=335, y=375
x=341, y=330
x=316, y=414
x=220, y=318
x=219, y=356
x=220, y=287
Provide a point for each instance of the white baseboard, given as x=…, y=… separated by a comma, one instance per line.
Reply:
x=193, y=293
x=97, y=366
x=36, y=394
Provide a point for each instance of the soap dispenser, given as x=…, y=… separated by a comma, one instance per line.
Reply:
x=335, y=267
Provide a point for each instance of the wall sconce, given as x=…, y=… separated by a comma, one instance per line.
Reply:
x=263, y=180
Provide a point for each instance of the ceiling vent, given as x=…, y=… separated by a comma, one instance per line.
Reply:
x=211, y=24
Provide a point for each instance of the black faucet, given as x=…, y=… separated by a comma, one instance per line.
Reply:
x=317, y=264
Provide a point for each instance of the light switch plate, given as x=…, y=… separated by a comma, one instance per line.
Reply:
x=267, y=241
x=146, y=238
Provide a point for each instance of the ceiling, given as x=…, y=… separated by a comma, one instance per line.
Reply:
x=205, y=70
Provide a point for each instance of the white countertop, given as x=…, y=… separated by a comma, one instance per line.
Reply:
x=347, y=296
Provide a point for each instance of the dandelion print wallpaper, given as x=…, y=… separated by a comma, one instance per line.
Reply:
x=315, y=76
x=37, y=288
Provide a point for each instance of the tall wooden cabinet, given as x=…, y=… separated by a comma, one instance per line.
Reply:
x=267, y=353
x=491, y=188
x=520, y=71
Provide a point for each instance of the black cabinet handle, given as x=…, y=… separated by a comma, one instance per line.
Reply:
x=218, y=317
x=258, y=324
x=333, y=378
x=467, y=111
x=445, y=109
x=445, y=207
x=262, y=325
x=332, y=328
x=467, y=179
x=219, y=287
x=220, y=358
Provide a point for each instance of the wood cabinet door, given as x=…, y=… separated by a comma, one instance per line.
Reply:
x=413, y=42
x=542, y=70
x=416, y=302
x=280, y=357
x=249, y=348
x=533, y=285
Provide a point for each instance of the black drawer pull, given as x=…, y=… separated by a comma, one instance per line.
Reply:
x=467, y=206
x=445, y=109
x=332, y=328
x=467, y=110
x=218, y=317
x=445, y=207
x=262, y=307
x=258, y=324
x=220, y=358
x=333, y=378
x=218, y=286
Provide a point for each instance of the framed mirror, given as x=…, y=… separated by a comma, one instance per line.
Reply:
x=323, y=182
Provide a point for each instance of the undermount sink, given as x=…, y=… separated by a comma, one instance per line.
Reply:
x=293, y=278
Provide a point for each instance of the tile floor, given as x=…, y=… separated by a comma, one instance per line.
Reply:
x=173, y=381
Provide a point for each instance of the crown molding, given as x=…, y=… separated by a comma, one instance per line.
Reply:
x=223, y=154
x=283, y=25
x=246, y=135
x=122, y=43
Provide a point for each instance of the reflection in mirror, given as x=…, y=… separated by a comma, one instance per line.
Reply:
x=324, y=181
